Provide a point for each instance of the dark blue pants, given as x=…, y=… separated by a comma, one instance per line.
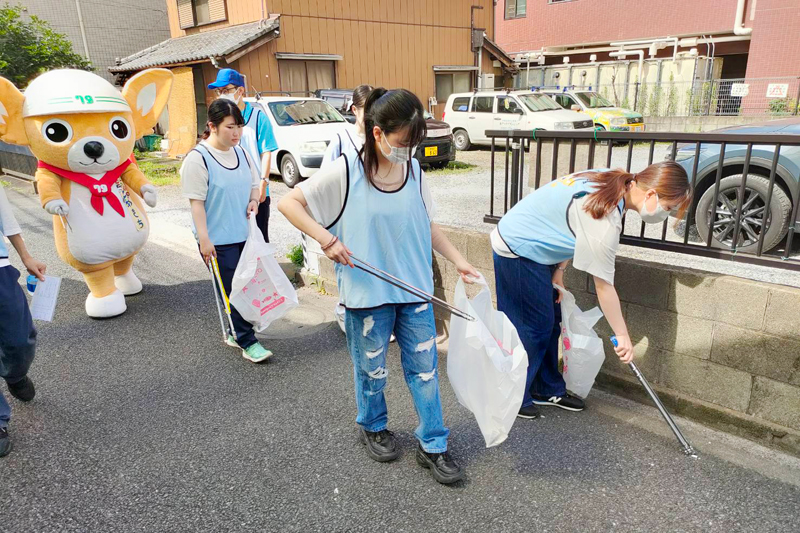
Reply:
x=17, y=335
x=525, y=294
x=228, y=257
x=262, y=218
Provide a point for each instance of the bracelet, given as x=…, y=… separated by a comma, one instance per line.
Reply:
x=333, y=241
x=563, y=269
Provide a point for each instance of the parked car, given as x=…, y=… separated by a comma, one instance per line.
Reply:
x=784, y=195
x=438, y=147
x=435, y=151
x=303, y=128
x=605, y=114
x=470, y=115
x=340, y=99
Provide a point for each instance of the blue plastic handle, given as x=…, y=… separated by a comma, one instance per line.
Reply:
x=614, y=341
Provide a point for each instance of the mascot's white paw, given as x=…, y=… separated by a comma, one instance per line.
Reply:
x=128, y=283
x=111, y=305
x=149, y=195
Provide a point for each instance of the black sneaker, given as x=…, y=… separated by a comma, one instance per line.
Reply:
x=443, y=467
x=23, y=391
x=530, y=411
x=5, y=442
x=568, y=402
x=381, y=446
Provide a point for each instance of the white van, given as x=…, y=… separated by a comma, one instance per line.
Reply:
x=303, y=127
x=471, y=114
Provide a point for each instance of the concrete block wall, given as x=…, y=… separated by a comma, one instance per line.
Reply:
x=699, y=124
x=720, y=349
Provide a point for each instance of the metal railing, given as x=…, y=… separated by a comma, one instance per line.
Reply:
x=729, y=232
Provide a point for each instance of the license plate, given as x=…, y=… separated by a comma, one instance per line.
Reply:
x=431, y=151
x=637, y=128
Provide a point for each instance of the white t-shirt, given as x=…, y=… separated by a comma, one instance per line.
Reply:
x=8, y=223
x=325, y=191
x=596, y=241
x=194, y=174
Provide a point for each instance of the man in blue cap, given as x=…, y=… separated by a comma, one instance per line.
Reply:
x=257, y=136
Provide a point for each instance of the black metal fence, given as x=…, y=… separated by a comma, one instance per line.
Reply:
x=747, y=187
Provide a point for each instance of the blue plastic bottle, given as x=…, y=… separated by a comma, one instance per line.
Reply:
x=31, y=283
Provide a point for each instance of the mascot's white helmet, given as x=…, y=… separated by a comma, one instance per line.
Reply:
x=68, y=91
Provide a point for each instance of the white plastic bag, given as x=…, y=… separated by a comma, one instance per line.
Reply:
x=582, y=349
x=260, y=291
x=486, y=364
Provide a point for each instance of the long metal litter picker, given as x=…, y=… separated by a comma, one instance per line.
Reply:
x=402, y=285
x=687, y=448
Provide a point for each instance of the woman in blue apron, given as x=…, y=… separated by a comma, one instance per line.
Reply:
x=576, y=218
x=350, y=140
x=378, y=205
x=222, y=185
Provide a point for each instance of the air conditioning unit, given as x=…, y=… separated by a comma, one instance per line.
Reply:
x=487, y=81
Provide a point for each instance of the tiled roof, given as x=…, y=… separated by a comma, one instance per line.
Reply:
x=198, y=46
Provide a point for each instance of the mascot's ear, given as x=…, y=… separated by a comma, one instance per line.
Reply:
x=12, y=127
x=147, y=94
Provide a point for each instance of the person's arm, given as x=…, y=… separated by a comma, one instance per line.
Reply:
x=199, y=217
x=263, y=187
x=33, y=265
x=558, y=277
x=609, y=303
x=255, y=187
x=293, y=207
x=443, y=245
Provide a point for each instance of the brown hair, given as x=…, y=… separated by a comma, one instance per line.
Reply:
x=360, y=94
x=668, y=178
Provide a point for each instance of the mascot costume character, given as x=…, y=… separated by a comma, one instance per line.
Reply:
x=82, y=130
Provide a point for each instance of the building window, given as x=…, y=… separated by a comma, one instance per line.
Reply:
x=448, y=83
x=193, y=13
x=516, y=8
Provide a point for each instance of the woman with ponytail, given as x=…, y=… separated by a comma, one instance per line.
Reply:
x=376, y=206
x=221, y=183
x=578, y=217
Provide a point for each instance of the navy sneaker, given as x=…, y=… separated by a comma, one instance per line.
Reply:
x=5, y=442
x=530, y=411
x=568, y=402
x=22, y=390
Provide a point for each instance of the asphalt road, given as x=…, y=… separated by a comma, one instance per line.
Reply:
x=147, y=422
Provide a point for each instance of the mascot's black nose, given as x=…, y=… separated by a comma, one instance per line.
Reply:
x=93, y=149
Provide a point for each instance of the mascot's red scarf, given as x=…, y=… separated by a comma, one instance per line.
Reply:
x=100, y=189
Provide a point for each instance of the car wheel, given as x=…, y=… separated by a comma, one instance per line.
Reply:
x=754, y=213
x=438, y=165
x=461, y=139
x=289, y=172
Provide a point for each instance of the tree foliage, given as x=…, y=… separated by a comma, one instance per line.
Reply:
x=29, y=47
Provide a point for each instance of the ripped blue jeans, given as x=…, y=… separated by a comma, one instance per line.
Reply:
x=368, y=332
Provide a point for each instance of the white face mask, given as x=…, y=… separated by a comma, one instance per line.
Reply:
x=396, y=155
x=658, y=215
x=232, y=97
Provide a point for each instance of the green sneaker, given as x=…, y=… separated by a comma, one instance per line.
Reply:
x=231, y=341
x=256, y=353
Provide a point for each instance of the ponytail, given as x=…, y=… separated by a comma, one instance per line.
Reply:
x=611, y=187
x=667, y=178
x=391, y=111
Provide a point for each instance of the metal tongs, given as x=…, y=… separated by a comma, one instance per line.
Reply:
x=402, y=285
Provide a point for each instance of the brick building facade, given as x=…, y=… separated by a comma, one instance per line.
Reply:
x=767, y=45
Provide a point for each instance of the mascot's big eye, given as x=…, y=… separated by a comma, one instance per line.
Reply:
x=119, y=128
x=57, y=131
